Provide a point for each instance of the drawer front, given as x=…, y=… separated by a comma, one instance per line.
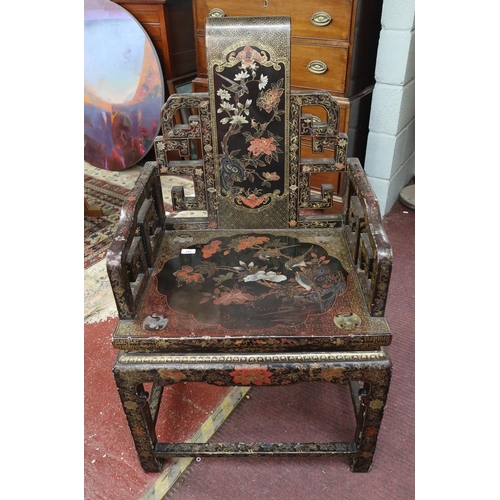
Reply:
x=319, y=67
x=329, y=19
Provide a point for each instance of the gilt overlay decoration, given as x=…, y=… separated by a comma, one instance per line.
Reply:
x=250, y=103
x=255, y=290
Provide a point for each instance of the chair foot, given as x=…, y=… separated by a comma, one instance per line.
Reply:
x=151, y=464
x=140, y=421
x=369, y=414
x=361, y=464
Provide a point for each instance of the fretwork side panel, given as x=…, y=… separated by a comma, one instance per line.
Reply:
x=369, y=247
x=133, y=251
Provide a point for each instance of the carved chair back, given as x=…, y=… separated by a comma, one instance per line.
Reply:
x=249, y=127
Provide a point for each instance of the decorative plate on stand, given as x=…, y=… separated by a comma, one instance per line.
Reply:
x=124, y=88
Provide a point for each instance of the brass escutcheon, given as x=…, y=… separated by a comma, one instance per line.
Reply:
x=217, y=13
x=347, y=321
x=321, y=18
x=317, y=67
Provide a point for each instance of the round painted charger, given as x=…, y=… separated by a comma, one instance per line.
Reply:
x=124, y=87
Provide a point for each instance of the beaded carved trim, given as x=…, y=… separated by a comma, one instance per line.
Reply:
x=132, y=358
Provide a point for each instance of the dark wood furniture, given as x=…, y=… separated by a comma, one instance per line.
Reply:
x=169, y=24
x=260, y=287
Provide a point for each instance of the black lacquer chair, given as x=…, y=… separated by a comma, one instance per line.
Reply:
x=264, y=285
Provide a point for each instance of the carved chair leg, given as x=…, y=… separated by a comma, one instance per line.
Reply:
x=140, y=419
x=370, y=410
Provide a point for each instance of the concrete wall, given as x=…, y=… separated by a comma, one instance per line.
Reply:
x=390, y=151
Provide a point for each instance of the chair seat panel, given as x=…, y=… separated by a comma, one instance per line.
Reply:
x=268, y=290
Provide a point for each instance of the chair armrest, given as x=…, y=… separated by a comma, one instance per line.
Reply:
x=137, y=240
x=369, y=246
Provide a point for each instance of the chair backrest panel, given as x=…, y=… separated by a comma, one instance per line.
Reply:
x=248, y=63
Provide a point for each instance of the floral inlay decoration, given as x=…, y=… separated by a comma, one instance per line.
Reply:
x=250, y=126
x=252, y=281
x=251, y=375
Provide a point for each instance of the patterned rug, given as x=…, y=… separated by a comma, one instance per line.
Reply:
x=100, y=230
x=107, y=190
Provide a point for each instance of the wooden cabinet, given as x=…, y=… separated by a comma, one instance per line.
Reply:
x=170, y=25
x=333, y=47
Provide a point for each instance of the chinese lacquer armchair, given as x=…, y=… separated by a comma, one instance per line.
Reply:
x=254, y=280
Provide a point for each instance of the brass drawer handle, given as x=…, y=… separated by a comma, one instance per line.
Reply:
x=317, y=67
x=321, y=18
x=217, y=13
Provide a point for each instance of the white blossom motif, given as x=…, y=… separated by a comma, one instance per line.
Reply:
x=226, y=106
x=224, y=94
x=263, y=82
x=250, y=65
x=238, y=120
x=265, y=276
x=242, y=75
